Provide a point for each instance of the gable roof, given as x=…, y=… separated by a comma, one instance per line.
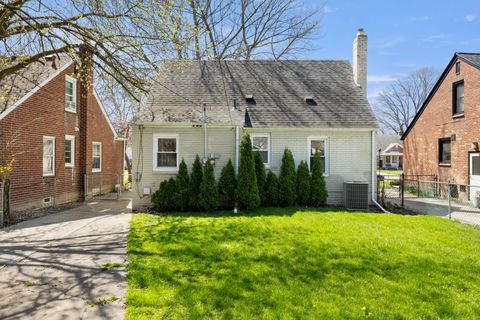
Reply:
x=18, y=87
x=279, y=89
x=384, y=141
x=472, y=59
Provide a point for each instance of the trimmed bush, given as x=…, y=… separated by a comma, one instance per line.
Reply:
x=247, y=189
x=183, y=186
x=287, y=180
x=303, y=184
x=271, y=190
x=195, y=180
x=260, y=174
x=319, y=193
x=208, y=188
x=166, y=197
x=159, y=197
x=227, y=185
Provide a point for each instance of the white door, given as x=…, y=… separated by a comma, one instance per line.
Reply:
x=474, y=174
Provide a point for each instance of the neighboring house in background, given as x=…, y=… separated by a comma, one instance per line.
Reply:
x=390, y=148
x=443, y=139
x=57, y=131
x=307, y=106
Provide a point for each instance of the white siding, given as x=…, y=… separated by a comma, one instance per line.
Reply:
x=349, y=154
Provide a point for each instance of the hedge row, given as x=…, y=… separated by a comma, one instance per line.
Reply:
x=253, y=187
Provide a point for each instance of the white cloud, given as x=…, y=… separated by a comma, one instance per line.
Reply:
x=380, y=78
x=470, y=17
x=373, y=94
x=327, y=9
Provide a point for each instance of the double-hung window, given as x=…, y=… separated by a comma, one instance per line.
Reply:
x=96, y=157
x=69, y=151
x=48, y=156
x=318, y=145
x=70, y=94
x=261, y=145
x=444, y=151
x=458, y=98
x=165, y=152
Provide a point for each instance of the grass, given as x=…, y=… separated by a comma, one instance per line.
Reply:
x=113, y=265
x=393, y=172
x=289, y=264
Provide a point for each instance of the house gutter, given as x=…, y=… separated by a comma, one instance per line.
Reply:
x=205, y=147
x=374, y=175
x=236, y=148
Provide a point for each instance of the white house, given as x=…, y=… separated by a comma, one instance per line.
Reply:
x=203, y=107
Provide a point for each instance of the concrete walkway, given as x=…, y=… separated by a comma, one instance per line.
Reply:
x=53, y=267
x=439, y=207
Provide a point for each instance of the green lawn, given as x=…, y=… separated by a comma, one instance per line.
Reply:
x=394, y=172
x=288, y=264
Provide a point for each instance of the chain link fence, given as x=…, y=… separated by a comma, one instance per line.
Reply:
x=426, y=194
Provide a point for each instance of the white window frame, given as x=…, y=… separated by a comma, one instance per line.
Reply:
x=73, y=81
x=95, y=143
x=48, y=174
x=70, y=138
x=155, y=151
x=326, y=141
x=269, y=150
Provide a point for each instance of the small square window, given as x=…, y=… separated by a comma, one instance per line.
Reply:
x=444, y=151
x=458, y=98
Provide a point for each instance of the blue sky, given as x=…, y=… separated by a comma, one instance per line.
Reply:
x=403, y=35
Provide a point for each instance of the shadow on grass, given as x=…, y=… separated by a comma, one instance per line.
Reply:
x=273, y=211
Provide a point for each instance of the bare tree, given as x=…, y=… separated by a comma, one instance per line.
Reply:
x=238, y=29
x=397, y=105
x=113, y=30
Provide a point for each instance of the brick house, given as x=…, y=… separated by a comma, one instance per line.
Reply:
x=57, y=131
x=443, y=139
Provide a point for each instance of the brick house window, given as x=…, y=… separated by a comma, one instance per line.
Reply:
x=96, y=157
x=69, y=151
x=261, y=144
x=458, y=98
x=444, y=151
x=318, y=145
x=48, y=156
x=165, y=152
x=457, y=68
x=70, y=94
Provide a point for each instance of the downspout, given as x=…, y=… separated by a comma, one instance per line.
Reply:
x=374, y=175
x=205, y=142
x=236, y=148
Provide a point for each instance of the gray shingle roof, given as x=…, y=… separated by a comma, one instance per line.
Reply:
x=278, y=87
x=473, y=58
x=14, y=87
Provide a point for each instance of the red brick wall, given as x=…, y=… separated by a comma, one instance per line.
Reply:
x=43, y=114
x=421, y=144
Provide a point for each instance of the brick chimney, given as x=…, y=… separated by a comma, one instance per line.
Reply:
x=84, y=73
x=360, y=60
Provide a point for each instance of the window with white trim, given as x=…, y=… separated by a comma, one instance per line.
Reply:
x=48, y=156
x=320, y=146
x=70, y=94
x=165, y=152
x=261, y=144
x=69, y=151
x=96, y=156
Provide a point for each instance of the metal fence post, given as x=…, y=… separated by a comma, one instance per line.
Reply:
x=85, y=191
x=418, y=187
x=449, y=202
x=402, y=186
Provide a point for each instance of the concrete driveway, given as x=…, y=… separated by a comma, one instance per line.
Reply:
x=67, y=265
